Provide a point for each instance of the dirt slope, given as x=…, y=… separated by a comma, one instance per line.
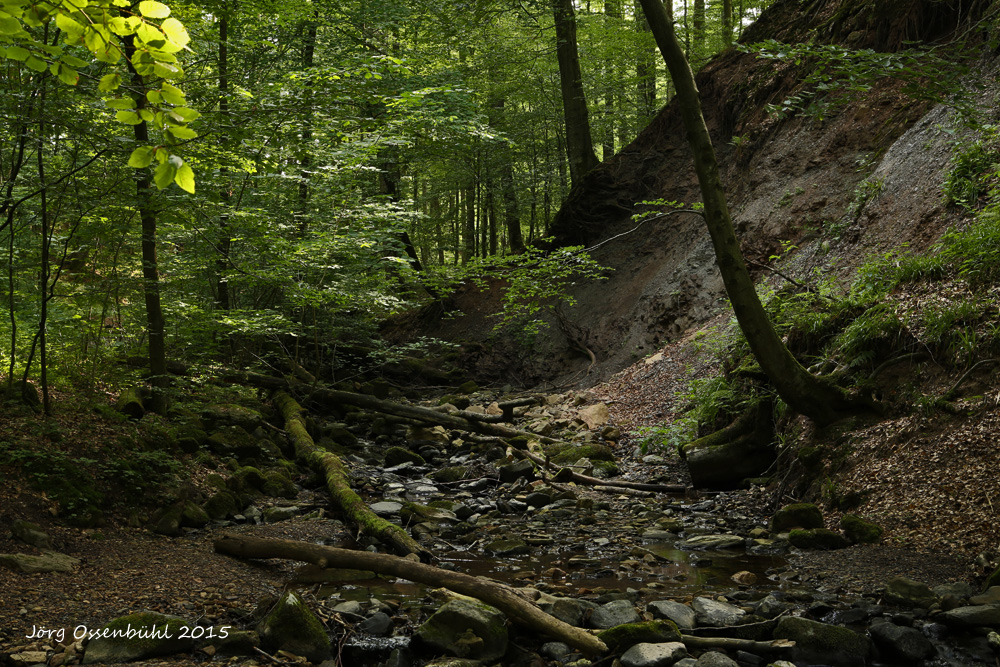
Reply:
x=789, y=180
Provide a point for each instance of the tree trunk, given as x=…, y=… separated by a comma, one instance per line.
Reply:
x=222, y=295
x=305, y=153
x=579, y=145
x=155, y=327
x=330, y=466
x=814, y=397
x=499, y=595
x=645, y=74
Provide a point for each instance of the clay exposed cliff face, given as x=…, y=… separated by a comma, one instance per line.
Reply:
x=790, y=180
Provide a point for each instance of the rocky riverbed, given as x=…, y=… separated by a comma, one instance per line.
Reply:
x=688, y=579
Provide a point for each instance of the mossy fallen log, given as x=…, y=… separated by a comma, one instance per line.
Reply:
x=501, y=596
x=129, y=403
x=337, y=482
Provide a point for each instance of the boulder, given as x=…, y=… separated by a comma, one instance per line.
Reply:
x=193, y=516
x=616, y=612
x=513, y=546
x=31, y=534
x=821, y=643
x=713, y=542
x=571, y=610
x=654, y=655
x=47, y=562
x=979, y=615
x=397, y=455
x=138, y=637
x=518, y=470
x=859, y=531
x=681, y=614
x=901, y=644
x=221, y=506
x=594, y=416
x=908, y=593
x=292, y=626
x=715, y=659
x=990, y=596
x=816, y=538
x=466, y=629
x=716, y=614
x=622, y=637
x=796, y=515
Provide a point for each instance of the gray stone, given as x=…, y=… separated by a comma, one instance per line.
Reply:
x=517, y=470
x=348, y=608
x=276, y=514
x=571, y=610
x=46, y=562
x=686, y=662
x=986, y=615
x=386, y=508
x=555, y=650
x=909, y=593
x=713, y=542
x=715, y=659
x=716, y=614
x=821, y=643
x=681, y=614
x=796, y=515
x=538, y=499
x=137, y=637
x=654, y=655
x=507, y=547
x=466, y=629
x=379, y=624
x=31, y=534
x=616, y=612
x=902, y=644
x=291, y=626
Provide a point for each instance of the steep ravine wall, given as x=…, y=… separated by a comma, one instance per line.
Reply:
x=790, y=180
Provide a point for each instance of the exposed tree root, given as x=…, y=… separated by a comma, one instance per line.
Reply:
x=743, y=449
x=337, y=482
x=501, y=596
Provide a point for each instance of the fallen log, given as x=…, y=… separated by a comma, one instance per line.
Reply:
x=452, y=420
x=736, y=644
x=337, y=482
x=501, y=596
x=567, y=474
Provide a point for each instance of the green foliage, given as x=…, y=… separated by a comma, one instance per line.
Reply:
x=974, y=252
x=668, y=438
x=974, y=171
x=870, y=337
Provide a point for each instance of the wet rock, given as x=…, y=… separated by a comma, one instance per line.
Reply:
x=450, y=474
x=137, y=637
x=713, y=542
x=349, y=608
x=386, y=508
x=466, y=629
x=507, y=547
x=276, y=514
x=518, y=470
x=902, y=644
x=291, y=626
x=859, y=531
x=817, y=538
x=796, y=515
x=716, y=614
x=416, y=513
x=654, y=655
x=616, y=612
x=990, y=596
x=538, y=499
x=908, y=593
x=622, y=637
x=978, y=615
x=47, y=562
x=820, y=643
x=715, y=659
x=571, y=611
x=555, y=650
x=681, y=614
x=31, y=534
x=379, y=624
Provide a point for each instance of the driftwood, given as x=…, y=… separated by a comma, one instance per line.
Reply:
x=501, y=596
x=337, y=482
x=462, y=421
x=735, y=644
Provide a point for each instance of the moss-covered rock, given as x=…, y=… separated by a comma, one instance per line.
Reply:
x=394, y=456
x=216, y=482
x=513, y=546
x=231, y=414
x=810, y=457
x=277, y=485
x=859, y=531
x=237, y=442
x=221, y=506
x=416, y=513
x=460, y=402
x=816, y=538
x=907, y=592
x=137, y=637
x=466, y=629
x=993, y=579
x=797, y=515
x=821, y=643
x=193, y=516
x=167, y=521
x=32, y=534
x=622, y=637
x=341, y=435
x=292, y=626
x=567, y=453
x=450, y=474
x=469, y=387
x=247, y=479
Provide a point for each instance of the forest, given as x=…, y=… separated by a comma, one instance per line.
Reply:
x=542, y=333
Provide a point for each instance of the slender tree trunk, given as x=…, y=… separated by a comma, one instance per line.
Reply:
x=803, y=392
x=580, y=146
x=305, y=151
x=222, y=295
x=727, y=21
x=698, y=23
x=645, y=74
x=43, y=277
x=155, y=327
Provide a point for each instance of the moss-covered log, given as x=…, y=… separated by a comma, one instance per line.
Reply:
x=130, y=403
x=337, y=482
x=499, y=595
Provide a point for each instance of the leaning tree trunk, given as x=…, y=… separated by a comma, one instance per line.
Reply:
x=579, y=144
x=337, y=482
x=818, y=399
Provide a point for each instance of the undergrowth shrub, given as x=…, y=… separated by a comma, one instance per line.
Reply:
x=974, y=252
